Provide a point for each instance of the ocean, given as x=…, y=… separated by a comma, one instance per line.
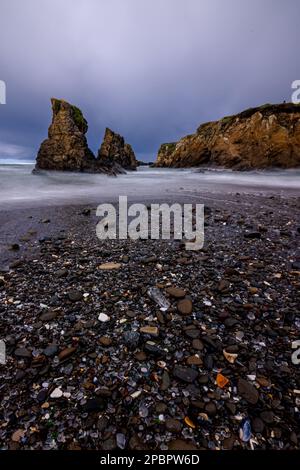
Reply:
x=20, y=188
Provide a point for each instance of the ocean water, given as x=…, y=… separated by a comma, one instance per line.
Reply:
x=20, y=188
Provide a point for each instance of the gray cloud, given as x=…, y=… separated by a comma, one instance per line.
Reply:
x=152, y=70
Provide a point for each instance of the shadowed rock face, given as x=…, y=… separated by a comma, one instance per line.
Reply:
x=268, y=136
x=114, y=148
x=66, y=148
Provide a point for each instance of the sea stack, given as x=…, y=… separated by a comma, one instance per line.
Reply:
x=263, y=137
x=115, y=149
x=66, y=148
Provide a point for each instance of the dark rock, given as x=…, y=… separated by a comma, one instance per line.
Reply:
x=50, y=350
x=23, y=353
x=257, y=425
x=267, y=416
x=165, y=381
x=248, y=391
x=252, y=235
x=131, y=339
x=95, y=404
x=198, y=344
x=75, y=295
x=48, y=316
x=186, y=374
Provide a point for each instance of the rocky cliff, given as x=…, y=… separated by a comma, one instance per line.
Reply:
x=114, y=148
x=267, y=136
x=66, y=148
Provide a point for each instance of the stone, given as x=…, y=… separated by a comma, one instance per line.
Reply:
x=176, y=292
x=153, y=348
x=198, y=344
x=150, y=330
x=48, y=316
x=18, y=435
x=103, y=317
x=105, y=341
x=185, y=306
x=95, y=404
x=165, y=381
x=109, y=266
x=50, y=350
x=194, y=360
x=23, y=353
x=267, y=416
x=186, y=374
x=56, y=393
x=140, y=356
x=258, y=425
x=252, y=235
x=115, y=149
x=131, y=339
x=65, y=353
x=248, y=391
x=211, y=409
x=75, y=295
x=173, y=425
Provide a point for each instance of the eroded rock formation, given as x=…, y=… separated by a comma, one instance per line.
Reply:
x=114, y=148
x=268, y=136
x=66, y=148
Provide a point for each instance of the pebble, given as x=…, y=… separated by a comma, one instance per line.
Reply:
x=23, y=353
x=198, y=344
x=186, y=374
x=103, y=317
x=51, y=350
x=150, y=330
x=105, y=341
x=75, y=295
x=176, y=292
x=258, y=425
x=109, y=266
x=57, y=393
x=194, y=360
x=65, y=353
x=248, y=391
x=185, y=306
x=131, y=339
x=95, y=404
x=173, y=425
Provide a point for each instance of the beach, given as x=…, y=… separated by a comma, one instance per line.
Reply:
x=144, y=344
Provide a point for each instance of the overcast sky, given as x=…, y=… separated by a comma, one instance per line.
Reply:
x=152, y=70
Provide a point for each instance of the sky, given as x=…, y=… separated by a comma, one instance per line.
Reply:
x=151, y=70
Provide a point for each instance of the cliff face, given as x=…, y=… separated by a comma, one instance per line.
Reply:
x=268, y=136
x=66, y=148
x=114, y=148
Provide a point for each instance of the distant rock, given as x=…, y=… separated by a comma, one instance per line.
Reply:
x=262, y=137
x=115, y=149
x=66, y=148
